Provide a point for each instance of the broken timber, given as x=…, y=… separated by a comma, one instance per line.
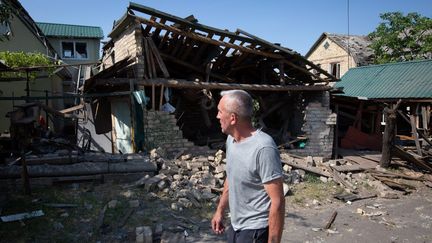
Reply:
x=286, y=160
x=176, y=83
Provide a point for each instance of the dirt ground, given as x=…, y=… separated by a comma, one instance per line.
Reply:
x=109, y=212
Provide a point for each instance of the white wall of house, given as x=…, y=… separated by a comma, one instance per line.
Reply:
x=328, y=54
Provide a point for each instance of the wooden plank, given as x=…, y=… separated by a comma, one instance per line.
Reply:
x=363, y=162
x=194, y=67
x=426, y=117
x=147, y=66
x=152, y=64
x=200, y=51
x=399, y=152
x=157, y=31
x=222, y=55
x=347, y=168
x=425, y=138
x=148, y=27
x=161, y=97
x=178, y=45
x=185, y=22
x=158, y=58
x=315, y=170
x=153, y=96
x=73, y=108
x=288, y=51
x=208, y=40
x=336, y=177
x=225, y=86
x=415, y=134
x=190, y=45
x=164, y=40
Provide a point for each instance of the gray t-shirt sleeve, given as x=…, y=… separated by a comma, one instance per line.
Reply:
x=269, y=164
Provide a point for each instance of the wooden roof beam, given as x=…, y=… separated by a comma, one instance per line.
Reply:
x=206, y=39
x=194, y=68
x=290, y=52
x=175, y=19
x=227, y=86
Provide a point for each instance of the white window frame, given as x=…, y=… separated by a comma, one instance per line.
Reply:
x=74, y=50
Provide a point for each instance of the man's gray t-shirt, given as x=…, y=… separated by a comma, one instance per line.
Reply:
x=251, y=163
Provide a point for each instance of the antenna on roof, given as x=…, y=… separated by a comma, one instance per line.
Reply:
x=348, y=35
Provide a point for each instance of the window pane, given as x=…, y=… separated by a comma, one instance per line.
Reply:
x=67, y=49
x=81, y=50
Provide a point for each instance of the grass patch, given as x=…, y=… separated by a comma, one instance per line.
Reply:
x=312, y=188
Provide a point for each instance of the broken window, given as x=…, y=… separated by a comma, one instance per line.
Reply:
x=77, y=50
x=335, y=69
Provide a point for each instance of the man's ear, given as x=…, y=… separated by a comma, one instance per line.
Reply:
x=233, y=119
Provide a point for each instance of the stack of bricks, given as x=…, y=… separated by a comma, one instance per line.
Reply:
x=319, y=128
x=161, y=130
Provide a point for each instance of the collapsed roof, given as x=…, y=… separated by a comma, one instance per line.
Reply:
x=181, y=48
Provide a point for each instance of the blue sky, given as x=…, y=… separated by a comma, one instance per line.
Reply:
x=294, y=24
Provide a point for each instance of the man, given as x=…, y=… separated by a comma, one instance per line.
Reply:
x=253, y=188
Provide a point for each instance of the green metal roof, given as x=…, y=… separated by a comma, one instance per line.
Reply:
x=67, y=30
x=389, y=81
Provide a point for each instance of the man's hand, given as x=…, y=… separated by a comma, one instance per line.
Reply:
x=217, y=223
x=217, y=220
x=274, y=189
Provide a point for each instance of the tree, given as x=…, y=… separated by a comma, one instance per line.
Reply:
x=402, y=38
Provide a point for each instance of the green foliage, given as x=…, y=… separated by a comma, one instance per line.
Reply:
x=21, y=59
x=402, y=38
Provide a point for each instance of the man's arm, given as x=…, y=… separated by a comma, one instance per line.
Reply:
x=274, y=189
x=217, y=220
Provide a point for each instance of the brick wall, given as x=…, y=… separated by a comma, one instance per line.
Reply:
x=128, y=43
x=160, y=130
x=319, y=125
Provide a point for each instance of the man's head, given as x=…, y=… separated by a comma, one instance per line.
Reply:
x=235, y=108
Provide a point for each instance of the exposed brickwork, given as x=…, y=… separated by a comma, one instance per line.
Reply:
x=161, y=130
x=319, y=124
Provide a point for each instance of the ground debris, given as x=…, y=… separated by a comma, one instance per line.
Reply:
x=21, y=216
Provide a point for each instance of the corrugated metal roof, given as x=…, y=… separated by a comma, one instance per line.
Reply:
x=67, y=30
x=387, y=81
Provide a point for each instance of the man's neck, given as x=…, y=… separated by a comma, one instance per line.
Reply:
x=242, y=133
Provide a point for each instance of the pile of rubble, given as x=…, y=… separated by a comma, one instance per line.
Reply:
x=190, y=181
x=354, y=172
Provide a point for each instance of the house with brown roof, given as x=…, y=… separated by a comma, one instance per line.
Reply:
x=337, y=53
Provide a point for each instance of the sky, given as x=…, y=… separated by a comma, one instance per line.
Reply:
x=295, y=24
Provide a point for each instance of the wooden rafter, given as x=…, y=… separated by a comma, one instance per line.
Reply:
x=178, y=83
x=206, y=39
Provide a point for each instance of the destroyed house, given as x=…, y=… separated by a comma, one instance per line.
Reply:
x=161, y=75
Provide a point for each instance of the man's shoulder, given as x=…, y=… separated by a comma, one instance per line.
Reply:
x=264, y=139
